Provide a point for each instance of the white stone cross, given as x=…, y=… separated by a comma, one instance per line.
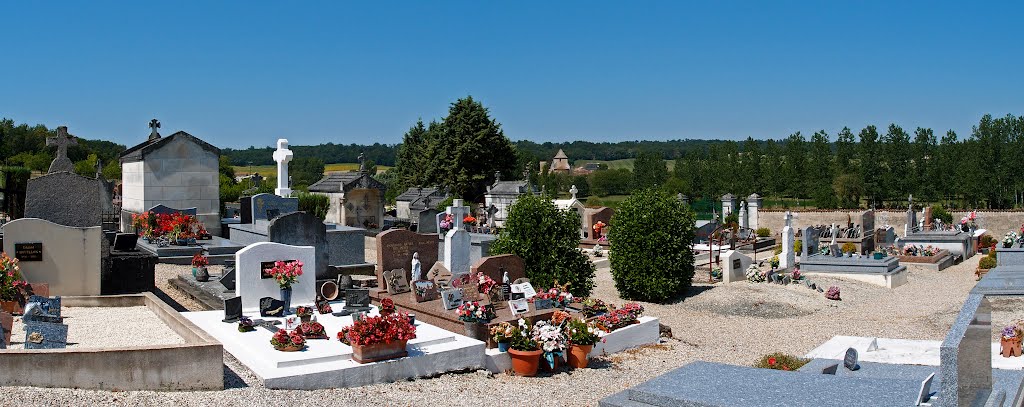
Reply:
x=458, y=212
x=283, y=155
x=573, y=191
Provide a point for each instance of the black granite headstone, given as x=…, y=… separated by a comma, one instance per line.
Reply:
x=125, y=242
x=850, y=360
x=245, y=206
x=3, y=338
x=232, y=309
x=357, y=299
x=302, y=229
x=271, y=307
x=227, y=278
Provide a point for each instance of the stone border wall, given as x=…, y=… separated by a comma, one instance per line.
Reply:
x=196, y=365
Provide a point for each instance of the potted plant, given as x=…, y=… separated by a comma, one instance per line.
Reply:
x=774, y=262
x=245, y=325
x=502, y=334
x=581, y=336
x=387, y=307
x=1009, y=240
x=285, y=274
x=378, y=338
x=304, y=313
x=312, y=330
x=523, y=350
x=1010, y=340
x=984, y=265
x=795, y=276
x=468, y=221
x=12, y=285
x=475, y=318
x=199, y=271
x=285, y=342
x=551, y=341
x=593, y=307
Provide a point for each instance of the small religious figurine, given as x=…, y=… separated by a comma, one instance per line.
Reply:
x=504, y=278
x=417, y=269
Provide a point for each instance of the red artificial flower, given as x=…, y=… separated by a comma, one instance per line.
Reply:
x=771, y=361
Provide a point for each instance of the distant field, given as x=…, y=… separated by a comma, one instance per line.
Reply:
x=626, y=163
x=272, y=169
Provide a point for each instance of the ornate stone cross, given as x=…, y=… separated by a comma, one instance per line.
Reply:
x=153, y=125
x=573, y=191
x=62, y=141
x=458, y=212
x=283, y=155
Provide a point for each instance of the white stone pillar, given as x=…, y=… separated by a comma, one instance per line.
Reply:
x=753, y=204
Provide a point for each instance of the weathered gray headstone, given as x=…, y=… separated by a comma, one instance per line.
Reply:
x=427, y=221
x=300, y=229
x=810, y=244
x=64, y=198
x=264, y=205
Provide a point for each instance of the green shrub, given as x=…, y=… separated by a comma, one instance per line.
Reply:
x=732, y=218
x=849, y=248
x=781, y=361
x=651, y=250
x=987, y=240
x=314, y=204
x=987, y=262
x=940, y=213
x=548, y=240
x=764, y=232
x=798, y=245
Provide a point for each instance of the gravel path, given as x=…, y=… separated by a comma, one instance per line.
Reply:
x=108, y=327
x=732, y=324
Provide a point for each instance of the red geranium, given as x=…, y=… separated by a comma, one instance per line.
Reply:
x=375, y=330
x=771, y=361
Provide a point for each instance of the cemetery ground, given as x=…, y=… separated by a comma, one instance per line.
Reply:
x=730, y=323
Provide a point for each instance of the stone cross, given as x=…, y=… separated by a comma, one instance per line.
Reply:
x=789, y=219
x=61, y=162
x=153, y=125
x=573, y=191
x=362, y=162
x=458, y=212
x=283, y=155
x=491, y=212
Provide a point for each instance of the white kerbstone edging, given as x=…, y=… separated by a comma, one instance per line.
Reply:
x=647, y=332
x=328, y=364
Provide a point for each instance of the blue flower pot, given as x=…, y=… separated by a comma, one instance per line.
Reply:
x=503, y=346
x=286, y=296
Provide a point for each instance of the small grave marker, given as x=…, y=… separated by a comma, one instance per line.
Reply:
x=850, y=360
x=397, y=282
x=831, y=369
x=232, y=309
x=546, y=303
x=525, y=289
x=451, y=298
x=425, y=290
x=925, y=394
x=519, y=306
x=357, y=299
x=873, y=346
x=271, y=307
x=45, y=335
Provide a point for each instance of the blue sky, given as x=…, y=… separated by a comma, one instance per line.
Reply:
x=246, y=73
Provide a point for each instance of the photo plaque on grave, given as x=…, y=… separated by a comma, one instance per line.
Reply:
x=452, y=298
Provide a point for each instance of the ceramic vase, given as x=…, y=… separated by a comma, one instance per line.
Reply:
x=286, y=297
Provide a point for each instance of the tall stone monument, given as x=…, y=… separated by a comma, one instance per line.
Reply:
x=753, y=205
x=282, y=156
x=788, y=257
x=457, y=242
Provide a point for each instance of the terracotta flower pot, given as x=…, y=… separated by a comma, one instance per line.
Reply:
x=1010, y=347
x=579, y=355
x=11, y=307
x=525, y=363
x=379, y=351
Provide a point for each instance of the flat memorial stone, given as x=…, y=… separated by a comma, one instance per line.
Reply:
x=45, y=335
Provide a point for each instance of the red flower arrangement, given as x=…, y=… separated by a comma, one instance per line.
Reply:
x=198, y=260
x=303, y=311
x=376, y=330
x=312, y=330
x=176, y=225
x=469, y=219
x=485, y=283
x=387, y=306
x=286, y=273
x=618, y=318
x=284, y=341
x=472, y=311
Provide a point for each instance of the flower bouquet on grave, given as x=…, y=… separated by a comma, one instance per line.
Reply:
x=501, y=334
x=12, y=285
x=581, y=336
x=754, y=274
x=1009, y=240
x=833, y=293
x=475, y=317
x=774, y=262
x=446, y=224
x=795, y=275
x=615, y=319
x=716, y=273
x=286, y=274
x=523, y=349
x=378, y=338
x=312, y=330
x=1010, y=340
x=245, y=325
x=485, y=283
x=552, y=342
x=468, y=221
x=285, y=342
x=593, y=307
x=387, y=307
x=304, y=313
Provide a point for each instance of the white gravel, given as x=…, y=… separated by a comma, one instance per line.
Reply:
x=108, y=327
x=732, y=324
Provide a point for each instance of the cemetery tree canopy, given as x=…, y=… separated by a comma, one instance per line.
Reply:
x=461, y=153
x=547, y=239
x=651, y=249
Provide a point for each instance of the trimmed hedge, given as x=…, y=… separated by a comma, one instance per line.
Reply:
x=651, y=254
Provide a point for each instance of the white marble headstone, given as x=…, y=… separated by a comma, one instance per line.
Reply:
x=251, y=286
x=457, y=245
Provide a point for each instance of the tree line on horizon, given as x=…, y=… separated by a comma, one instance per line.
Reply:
x=462, y=152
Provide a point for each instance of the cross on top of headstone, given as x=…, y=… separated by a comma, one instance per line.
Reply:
x=153, y=125
x=573, y=191
x=458, y=212
x=61, y=162
x=362, y=162
x=789, y=219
